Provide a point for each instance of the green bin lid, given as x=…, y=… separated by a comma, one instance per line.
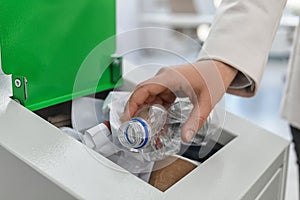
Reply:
x=44, y=43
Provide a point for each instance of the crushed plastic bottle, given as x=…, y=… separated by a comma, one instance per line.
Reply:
x=178, y=114
x=155, y=131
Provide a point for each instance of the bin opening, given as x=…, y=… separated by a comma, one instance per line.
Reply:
x=163, y=176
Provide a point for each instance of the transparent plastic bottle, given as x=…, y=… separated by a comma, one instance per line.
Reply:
x=145, y=132
x=178, y=114
x=155, y=131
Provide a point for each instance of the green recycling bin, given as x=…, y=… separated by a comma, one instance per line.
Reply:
x=45, y=44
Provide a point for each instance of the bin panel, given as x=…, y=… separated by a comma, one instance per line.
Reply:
x=44, y=43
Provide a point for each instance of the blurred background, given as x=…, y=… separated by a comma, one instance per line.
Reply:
x=193, y=18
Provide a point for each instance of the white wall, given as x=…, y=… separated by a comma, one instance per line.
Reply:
x=127, y=15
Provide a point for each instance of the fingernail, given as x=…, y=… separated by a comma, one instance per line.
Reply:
x=189, y=135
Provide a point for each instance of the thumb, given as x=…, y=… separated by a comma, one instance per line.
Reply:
x=195, y=121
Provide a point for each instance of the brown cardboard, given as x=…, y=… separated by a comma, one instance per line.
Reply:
x=166, y=176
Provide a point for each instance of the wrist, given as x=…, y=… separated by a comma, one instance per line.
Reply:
x=226, y=71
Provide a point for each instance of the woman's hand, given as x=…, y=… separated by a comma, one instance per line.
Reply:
x=204, y=82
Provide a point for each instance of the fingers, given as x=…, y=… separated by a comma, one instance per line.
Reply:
x=196, y=120
x=147, y=93
x=213, y=77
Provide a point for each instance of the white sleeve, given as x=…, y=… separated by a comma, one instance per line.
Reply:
x=241, y=36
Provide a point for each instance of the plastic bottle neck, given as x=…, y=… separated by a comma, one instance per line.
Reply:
x=136, y=134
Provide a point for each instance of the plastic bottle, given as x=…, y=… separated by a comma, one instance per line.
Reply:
x=178, y=114
x=144, y=132
x=155, y=132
